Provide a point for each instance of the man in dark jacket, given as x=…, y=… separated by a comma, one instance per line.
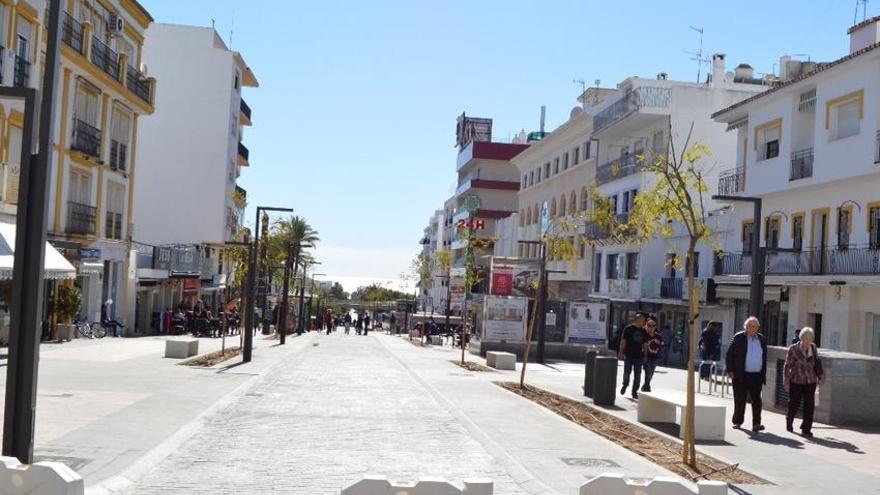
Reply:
x=747, y=368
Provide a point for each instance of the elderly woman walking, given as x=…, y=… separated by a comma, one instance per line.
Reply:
x=802, y=374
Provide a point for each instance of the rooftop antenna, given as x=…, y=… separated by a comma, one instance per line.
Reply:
x=213, y=23
x=583, y=90
x=232, y=29
x=864, y=4
x=597, y=82
x=698, y=55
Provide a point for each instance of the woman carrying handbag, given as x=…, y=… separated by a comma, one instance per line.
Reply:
x=803, y=372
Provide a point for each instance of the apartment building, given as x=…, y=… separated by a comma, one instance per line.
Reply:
x=104, y=90
x=631, y=129
x=196, y=156
x=810, y=149
x=432, y=293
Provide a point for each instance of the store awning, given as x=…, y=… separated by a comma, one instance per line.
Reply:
x=54, y=264
x=725, y=291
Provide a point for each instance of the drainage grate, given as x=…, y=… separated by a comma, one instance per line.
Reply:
x=590, y=462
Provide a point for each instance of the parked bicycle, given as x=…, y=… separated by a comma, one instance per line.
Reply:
x=88, y=330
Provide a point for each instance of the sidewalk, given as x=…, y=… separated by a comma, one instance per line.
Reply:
x=837, y=460
x=104, y=405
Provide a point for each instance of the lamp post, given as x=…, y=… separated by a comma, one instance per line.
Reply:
x=756, y=289
x=247, y=352
x=311, y=299
x=302, y=293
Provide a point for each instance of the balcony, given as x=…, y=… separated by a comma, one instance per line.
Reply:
x=137, y=83
x=105, y=58
x=594, y=231
x=731, y=181
x=243, y=155
x=801, y=164
x=851, y=260
x=113, y=226
x=671, y=288
x=498, y=185
x=22, y=74
x=245, y=118
x=80, y=218
x=86, y=138
x=618, y=286
x=72, y=33
x=643, y=97
x=619, y=168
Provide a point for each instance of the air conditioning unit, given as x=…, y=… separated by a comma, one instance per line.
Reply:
x=115, y=25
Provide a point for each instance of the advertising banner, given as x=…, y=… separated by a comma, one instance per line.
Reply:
x=504, y=319
x=513, y=276
x=586, y=323
x=456, y=289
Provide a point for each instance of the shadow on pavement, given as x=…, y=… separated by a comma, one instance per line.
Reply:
x=673, y=429
x=738, y=490
x=775, y=439
x=833, y=443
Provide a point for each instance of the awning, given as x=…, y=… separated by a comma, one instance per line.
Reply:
x=725, y=291
x=54, y=264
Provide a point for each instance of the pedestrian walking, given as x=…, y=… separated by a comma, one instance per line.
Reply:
x=747, y=368
x=346, y=320
x=393, y=324
x=803, y=374
x=710, y=347
x=652, y=352
x=328, y=320
x=366, y=323
x=358, y=324
x=630, y=350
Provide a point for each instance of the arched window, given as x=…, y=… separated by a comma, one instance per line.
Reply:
x=536, y=215
x=528, y=216
x=572, y=204
x=553, y=208
x=522, y=217
x=562, y=206
x=585, y=198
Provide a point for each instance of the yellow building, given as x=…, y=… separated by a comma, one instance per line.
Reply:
x=103, y=91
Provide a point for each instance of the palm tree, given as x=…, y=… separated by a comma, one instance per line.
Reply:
x=294, y=234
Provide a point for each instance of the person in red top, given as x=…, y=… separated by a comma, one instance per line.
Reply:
x=803, y=372
x=328, y=320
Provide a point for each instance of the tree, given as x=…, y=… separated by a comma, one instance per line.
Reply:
x=337, y=291
x=676, y=199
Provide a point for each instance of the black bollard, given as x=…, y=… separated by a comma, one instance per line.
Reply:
x=605, y=380
x=589, y=371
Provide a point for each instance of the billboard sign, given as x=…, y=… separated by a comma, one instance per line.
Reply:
x=513, y=276
x=586, y=323
x=504, y=319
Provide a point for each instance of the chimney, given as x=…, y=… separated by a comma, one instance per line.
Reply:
x=718, y=68
x=864, y=34
x=543, y=116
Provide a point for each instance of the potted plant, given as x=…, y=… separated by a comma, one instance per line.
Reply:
x=67, y=304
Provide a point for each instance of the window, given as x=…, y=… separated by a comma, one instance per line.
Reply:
x=572, y=204
x=556, y=165
x=80, y=188
x=553, y=208
x=847, y=118
x=671, y=264
x=585, y=199
x=767, y=139
x=587, y=150
x=583, y=247
x=113, y=219
x=547, y=170
x=614, y=204
x=562, y=206
x=86, y=108
x=119, y=139
x=874, y=227
x=123, y=46
x=235, y=82
x=696, y=266
x=565, y=161
x=597, y=271
x=844, y=226
x=525, y=181
x=658, y=143
x=771, y=232
x=577, y=155
x=632, y=265
x=797, y=232
x=612, y=272
x=532, y=178
x=748, y=233
x=625, y=202
x=536, y=215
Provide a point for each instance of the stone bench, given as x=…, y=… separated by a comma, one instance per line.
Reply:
x=660, y=407
x=181, y=349
x=436, y=340
x=501, y=360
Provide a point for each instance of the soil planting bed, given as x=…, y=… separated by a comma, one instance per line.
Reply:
x=471, y=366
x=656, y=448
x=212, y=358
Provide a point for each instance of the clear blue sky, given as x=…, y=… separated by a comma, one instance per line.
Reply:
x=354, y=120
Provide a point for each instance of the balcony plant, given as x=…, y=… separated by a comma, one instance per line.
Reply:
x=67, y=305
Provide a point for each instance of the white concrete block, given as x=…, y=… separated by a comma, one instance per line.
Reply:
x=501, y=360
x=661, y=406
x=42, y=478
x=181, y=348
x=437, y=339
x=618, y=484
x=379, y=485
x=478, y=487
x=712, y=488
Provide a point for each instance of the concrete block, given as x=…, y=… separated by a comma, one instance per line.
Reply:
x=660, y=407
x=605, y=381
x=436, y=339
x=379, y=485
x=181, y=349
x=618, y=484
x=501, y=360
x=478, y=487
x=42, y=478
x=712, y=488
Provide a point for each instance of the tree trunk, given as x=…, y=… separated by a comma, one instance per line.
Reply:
x=522, y=376
x=688, y=452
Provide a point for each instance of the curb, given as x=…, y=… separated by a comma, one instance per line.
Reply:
x=121, y=482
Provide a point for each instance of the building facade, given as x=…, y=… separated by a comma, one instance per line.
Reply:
x=196, y=155
x=810, y=150
x=104, y=90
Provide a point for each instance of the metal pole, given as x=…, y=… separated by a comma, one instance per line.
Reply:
x=542, y=304
x=756, y=296
x=285, y=288
x=30, y=248
x=302, y=295
x=247, y=352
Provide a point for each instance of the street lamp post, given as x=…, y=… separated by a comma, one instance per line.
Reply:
x=756, y=289
x=285, y=288
x=302, y=294
x=247, y=352
x=311, y=298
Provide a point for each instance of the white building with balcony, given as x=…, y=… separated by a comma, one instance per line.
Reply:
x=642, y=120
x=810, y=149
x=433, y=290
x=195, y=151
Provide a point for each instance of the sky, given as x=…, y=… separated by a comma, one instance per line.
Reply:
x=354, y=119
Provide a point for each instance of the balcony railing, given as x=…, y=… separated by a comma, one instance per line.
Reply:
x=72, y=33
x=595, y=231
x=731, y=181
x=22, y=74
x=86, y=138
x=245, y=110
x=113, y=226
x=671, y=288
x=105, y=58
x=137, y=83
x=243, y=151
x=854, y=260
x=118, y=155
x=801, y=164
x=638, y=98
x=80, y=218
x=619, y=286
x=619, y=168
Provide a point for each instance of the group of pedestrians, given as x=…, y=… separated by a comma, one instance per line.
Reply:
x=361, y=324
x=641, y=347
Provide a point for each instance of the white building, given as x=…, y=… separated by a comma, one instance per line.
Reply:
x=432, y=292
x=196, y=154
x=810, y=149
x=103, y=92
x=638, y=122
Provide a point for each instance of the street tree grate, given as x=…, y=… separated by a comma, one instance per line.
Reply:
x=589, y=462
